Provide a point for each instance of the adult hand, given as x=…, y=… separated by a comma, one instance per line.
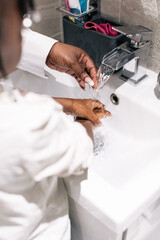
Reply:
x=91, y=110
x=74, y=61
x=84, y=108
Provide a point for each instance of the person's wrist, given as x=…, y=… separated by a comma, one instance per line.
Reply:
x=89, y=126
x=85, y=122
x=71, y=106
x=75, y=106
x=51, y=55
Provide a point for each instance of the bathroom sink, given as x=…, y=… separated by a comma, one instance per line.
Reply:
x=131, y=135
x=123, y=180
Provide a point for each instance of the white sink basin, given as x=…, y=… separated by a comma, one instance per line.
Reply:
x=132, y=139
x=124, y=178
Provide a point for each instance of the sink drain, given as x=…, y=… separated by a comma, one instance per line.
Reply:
x=114, y=99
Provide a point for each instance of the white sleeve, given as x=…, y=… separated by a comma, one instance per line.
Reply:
x=54, y=144
x=35, y=49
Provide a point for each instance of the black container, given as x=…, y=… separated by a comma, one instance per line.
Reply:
x=94, y=43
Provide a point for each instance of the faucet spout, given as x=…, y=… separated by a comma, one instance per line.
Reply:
x=113, y=61
x=130, y=59
x=117, y=58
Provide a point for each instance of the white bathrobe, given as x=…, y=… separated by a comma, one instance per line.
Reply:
x=39, y=144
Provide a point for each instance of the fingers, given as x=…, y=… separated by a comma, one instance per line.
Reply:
x=97, y=108
x=100, y=111
x=97, y=115
x=91, y=110
x=88, y=80
x=90, y=72
x=85, y=69
x=97, y=105
x=82, y=84
x=82, y=75
x=102, y=114
x=74, y=61
x=94, y=118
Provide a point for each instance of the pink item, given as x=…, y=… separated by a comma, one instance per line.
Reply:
x=108, y=29
x=104, y=28
x=67, y=5
x=95, y=26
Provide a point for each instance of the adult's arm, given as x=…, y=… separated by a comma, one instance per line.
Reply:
x=39, y=50
x=43, y=140
x=35, y=49
x=89, y=109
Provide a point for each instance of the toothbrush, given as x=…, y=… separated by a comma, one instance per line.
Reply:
x=88, y=5
x=67, y=4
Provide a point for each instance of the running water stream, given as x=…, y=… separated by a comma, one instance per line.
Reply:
x=103, y=75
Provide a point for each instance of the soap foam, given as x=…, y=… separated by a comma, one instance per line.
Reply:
x=102, y=139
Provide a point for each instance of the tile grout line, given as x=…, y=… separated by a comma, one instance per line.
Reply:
x=120, y=8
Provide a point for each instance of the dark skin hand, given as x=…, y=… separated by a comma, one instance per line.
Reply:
x=84, y=108
x=74, y=61
x=62, y=57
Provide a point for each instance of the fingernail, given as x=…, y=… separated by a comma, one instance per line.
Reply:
x=89, y=81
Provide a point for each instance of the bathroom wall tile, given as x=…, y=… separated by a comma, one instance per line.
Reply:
x=111, y=9
x=132, y=12
x=46, y=2
x=146, y=14
x=138, y=12
x=50, y=23
x=154, y=62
